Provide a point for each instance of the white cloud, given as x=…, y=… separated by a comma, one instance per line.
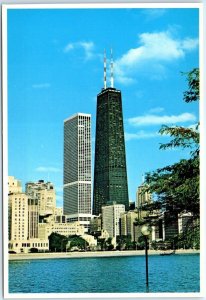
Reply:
x=194, y=127
x=47, y=169
x=41, y=85
x=155, y=50
x=150, y=119
x=189, y=44
x=156, y=110
x=69, y=47
x=88, y=48
x=140, y=135
x=154, y=13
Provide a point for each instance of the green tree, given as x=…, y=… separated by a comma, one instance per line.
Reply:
x=176, y=186
x=76, y=241
x=193, y=92
x=57, y=242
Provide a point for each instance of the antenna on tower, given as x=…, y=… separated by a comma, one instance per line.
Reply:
x=112, y=73
x=105, y=70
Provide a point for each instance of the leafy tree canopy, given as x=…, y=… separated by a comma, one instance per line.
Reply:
x=57, y=242
x=192, y=94
x=77, y=241
x=177, y=185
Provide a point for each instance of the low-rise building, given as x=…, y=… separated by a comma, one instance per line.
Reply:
x=26, y=246
x=66, y=229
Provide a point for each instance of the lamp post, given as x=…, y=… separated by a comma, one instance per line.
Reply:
x=145, y=230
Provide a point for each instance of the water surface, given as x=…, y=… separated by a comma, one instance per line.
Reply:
x=175, y=273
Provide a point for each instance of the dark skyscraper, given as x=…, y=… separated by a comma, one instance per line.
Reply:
x=110, y=174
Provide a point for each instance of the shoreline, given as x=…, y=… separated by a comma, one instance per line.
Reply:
x=94, y=254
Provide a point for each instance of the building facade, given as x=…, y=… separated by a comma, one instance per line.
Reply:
x=14, y=185
x=111, y=219
x=33, y=218
x=110, y=174
x=18, y=216
x=143, y=196
x=77, y=168
x=44, y=193
x=128, y=225
x=66, y=229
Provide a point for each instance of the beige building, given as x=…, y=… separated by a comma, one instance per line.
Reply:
x=33, y=218
x=96, y=223
x=18, y=216
x=111, y=217
x=128, y=227
x=142, y=196
x=66, y=229
x=22, y=246
x=14, y=185
x=45, y=193
x=90, y=240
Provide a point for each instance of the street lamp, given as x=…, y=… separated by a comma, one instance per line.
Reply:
x=145, y=230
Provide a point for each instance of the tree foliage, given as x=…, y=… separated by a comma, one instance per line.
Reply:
x=57, y=242
x=177, y=186
x=78, y=242
x=192, y=94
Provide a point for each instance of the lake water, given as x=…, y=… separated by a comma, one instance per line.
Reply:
x=175, y=273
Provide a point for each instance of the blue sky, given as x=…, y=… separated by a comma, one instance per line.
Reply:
x=55, y=69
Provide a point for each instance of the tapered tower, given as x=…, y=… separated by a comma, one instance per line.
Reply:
x=110, y=174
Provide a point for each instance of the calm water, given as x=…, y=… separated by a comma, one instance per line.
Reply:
x=175, y=273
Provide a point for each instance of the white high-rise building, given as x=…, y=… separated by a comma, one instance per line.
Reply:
x=111, y=218
x=77, y=168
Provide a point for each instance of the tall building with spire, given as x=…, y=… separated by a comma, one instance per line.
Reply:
x=110, y=173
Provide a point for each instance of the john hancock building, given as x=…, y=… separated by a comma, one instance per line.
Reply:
x=110, y=173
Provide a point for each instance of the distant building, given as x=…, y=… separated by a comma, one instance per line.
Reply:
x=22, y=246
x=14, y=185
x=18, y=216
x=77, y=169
x=170, y=225
x=132, y=205
x=142, y=196
x=185, y=221
x=33, y=218
x=110, y=172
x=23, y=221
x=66, y=229
x=111, y=218
x=128, y=227
x=44, y=192
x=96, y=224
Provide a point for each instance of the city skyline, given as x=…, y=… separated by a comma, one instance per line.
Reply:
x=57, y=71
